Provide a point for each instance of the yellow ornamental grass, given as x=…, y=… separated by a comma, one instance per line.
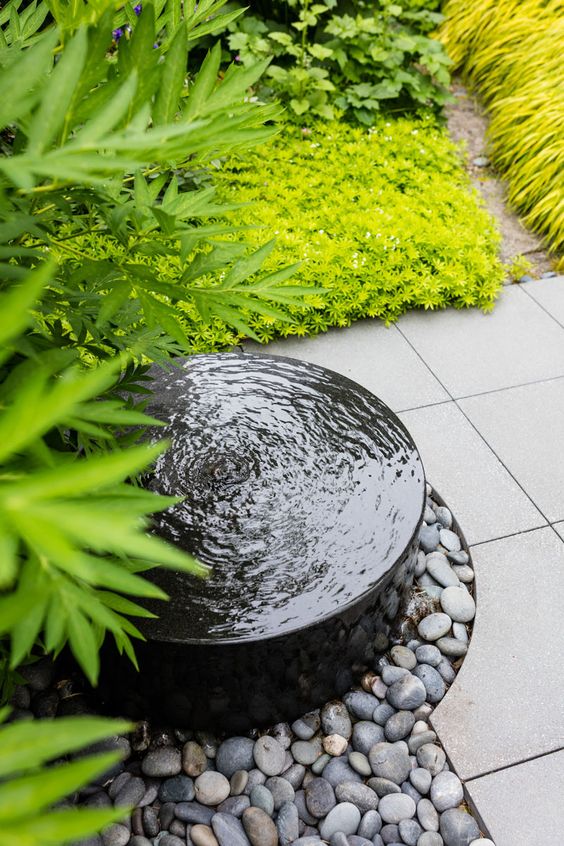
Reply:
x=510, y=52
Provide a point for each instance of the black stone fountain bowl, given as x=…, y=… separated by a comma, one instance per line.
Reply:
x=304, y=493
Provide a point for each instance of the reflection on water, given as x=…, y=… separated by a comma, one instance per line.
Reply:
x=302, y=490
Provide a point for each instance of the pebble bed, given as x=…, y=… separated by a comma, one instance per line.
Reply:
x=366, y=770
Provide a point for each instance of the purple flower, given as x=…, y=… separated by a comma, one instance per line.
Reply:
x=137, y=8
x=117, y=33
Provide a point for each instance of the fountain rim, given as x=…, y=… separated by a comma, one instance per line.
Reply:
x=245, y=640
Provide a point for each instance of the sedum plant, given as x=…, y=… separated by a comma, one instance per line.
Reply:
x=509, y=51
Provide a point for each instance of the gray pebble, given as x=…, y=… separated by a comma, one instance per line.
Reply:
x=429, y=537
x=360, y=764
x=262, y=798
x=235, y=753
x=383, y=713
x=452, y=647
x=458, y=828
x=458, y=604
x=399, y=725
x=464, y=572
x=446, y=670
x=138, y=840
x=481, y=161
x=427, y=815
x=338, y=770
x=283, y=734
x=171, y=840
x=318, y=766
x=420, y=564
x=179, y=788
x=335, y=719
x=450, y=540
x=391, y=674
x=446, y=791
x=343, y=817
x=269, y=755
x=355, y=840
x=319, y=797
x=403, y=657
x=211, y=788
x=434, y=683
x=431, y=758
x=421, y=779
x=429, y=654
x=390, y=834
x=390, y=761
x=192, y=812
x=295, y=775
x=305, y=752
x=383, y=786
x=429, y=515
x=305, y=727
x=410, y=832
x=460, y=557
x=365, y=735
x=444, y=516
x=360, y=704
x=370, y=824
x=229, y=830
x=407, y=694
x=303, y=813
x=430, y=838
x=255, y=777
x=360, y=795
x=408, y=788
x=281, y=790
x=434, y=626
x=439, y=568
x=396, y=807
x=115, y=835
x=235, y=805
x=460, y=632
x=287, y=824
x=162, y=763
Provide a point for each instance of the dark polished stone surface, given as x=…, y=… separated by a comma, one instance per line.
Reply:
x=304, y=493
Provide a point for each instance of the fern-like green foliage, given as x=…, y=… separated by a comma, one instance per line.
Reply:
x=510, y=52
x=29, y=790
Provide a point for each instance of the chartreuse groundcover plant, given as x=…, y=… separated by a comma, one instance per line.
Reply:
x=510, y=52
x=94, y=136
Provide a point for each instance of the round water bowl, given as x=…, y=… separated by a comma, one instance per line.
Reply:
x=304, y=493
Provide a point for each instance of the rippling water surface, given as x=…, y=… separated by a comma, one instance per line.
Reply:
x=302, y=489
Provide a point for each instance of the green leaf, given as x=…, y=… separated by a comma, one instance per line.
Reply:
x=204, y=85
x=15, y=306
x=172, y=79
x=56, y=100
x=19, y=82
x=84, y=645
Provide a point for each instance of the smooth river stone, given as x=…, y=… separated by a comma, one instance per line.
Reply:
x=211, y=788
x=408, y=693
x=458, y=828
x=450, y=540
x=390, y=761
x=335, y=719
x=396, y=807
x=259, y=828
x=229, y=830
x=434, y=626
x=432, y=758
x=458, y=604
x=439, y=568
x=269, y=756
x=452, y=647
x=235, y=753
x=362, y=796
x=434, y=683
x=446, y=791
x=344, y=817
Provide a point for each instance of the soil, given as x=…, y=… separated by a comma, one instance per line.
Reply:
x=468, y=123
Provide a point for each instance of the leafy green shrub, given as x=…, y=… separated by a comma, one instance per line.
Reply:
x=510, y=52
x=28, y=790
x=329, y=57
x=385, y=220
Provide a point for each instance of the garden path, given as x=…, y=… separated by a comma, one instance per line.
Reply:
x=483, y=397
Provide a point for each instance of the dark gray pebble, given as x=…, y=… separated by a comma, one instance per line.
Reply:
x=229, y=830
x=180, y=788
x=338, y=770
x=320, y=797
x=360, y=795
x=193, y=812
x=235, y=753
x=458, y=828
x=287, y=824
x=365, y=735
x=234, y=805
x=433, y=681
x=360, y=704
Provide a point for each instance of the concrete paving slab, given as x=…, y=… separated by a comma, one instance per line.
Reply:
x=372, y=354
x=505, y=705
x=549, y=293
x=487, y=502
x=525, y=427
x=523, y=805
x=470, y=352
x=559, y=527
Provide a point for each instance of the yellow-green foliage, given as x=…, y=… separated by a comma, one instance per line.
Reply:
x=385, y=219
x=511, y=52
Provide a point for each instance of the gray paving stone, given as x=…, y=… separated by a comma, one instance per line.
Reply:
x=505, y=705
x=522, y=806
x=559, y=527
x=524, y=428
x=372, y=354
x=487, y=502
x=470, y=352
x=549, y=293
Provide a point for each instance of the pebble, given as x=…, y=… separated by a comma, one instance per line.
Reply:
x=444, y=516
x=238, y=782
x=458, y=828
x=235, y=753
x=283, y=734
x=383, y=713
x=335, y=744
x=421, y=779
x=269, y=755
x=431, y=838
x=446, y=670
x=234, y=805
x=229, y=830
x=416, y=741
x=288, y=824
x=390, y=761
x=303, y=813
x=483, y=841
x=458, y=604
x=434, y=626
x=360, y=704
x=390, y=834
x=429, y=515
x=420, y=565
x=179, y=788
x=365, y=735
x=194, y=761
x=450, y=540
x=260, y=829
x=431, y=758
x=305, y=752
x=318, y=766
x=481, y=161
x=170, y=840
x=391, y=674
x=403, y=657
x=396, y=807
x=306, y=726
x=460, y=632
x=439, y=568
x=211, y=788
x=379, y=688
x=281, y=791
x=360, y=795
x=295, y=775
x=452, y=647
x=427, y=815
x=383, y=786
x=464, y=573
x=370, y=824
x=319, y=797
x=202, y=835
x=408, y=693
x=410, y=832
x=162, y=763
x=433, y=682
x=399, y=725
x=338, y=770
x=116, y=835
x=255, y=777
x=335, y=719
x=139, y=840
x=446, y=791
x=192, y=812
x=429, y=537
x=344, y=817
x=428, y=654
x=360, y=764
x=262, y=798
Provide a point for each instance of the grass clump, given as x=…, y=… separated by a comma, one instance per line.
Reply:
x=384, y=219
x=510, y=52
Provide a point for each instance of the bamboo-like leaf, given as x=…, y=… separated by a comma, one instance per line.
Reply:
x=19, y=82
x=167, y=102
x=204, y=84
